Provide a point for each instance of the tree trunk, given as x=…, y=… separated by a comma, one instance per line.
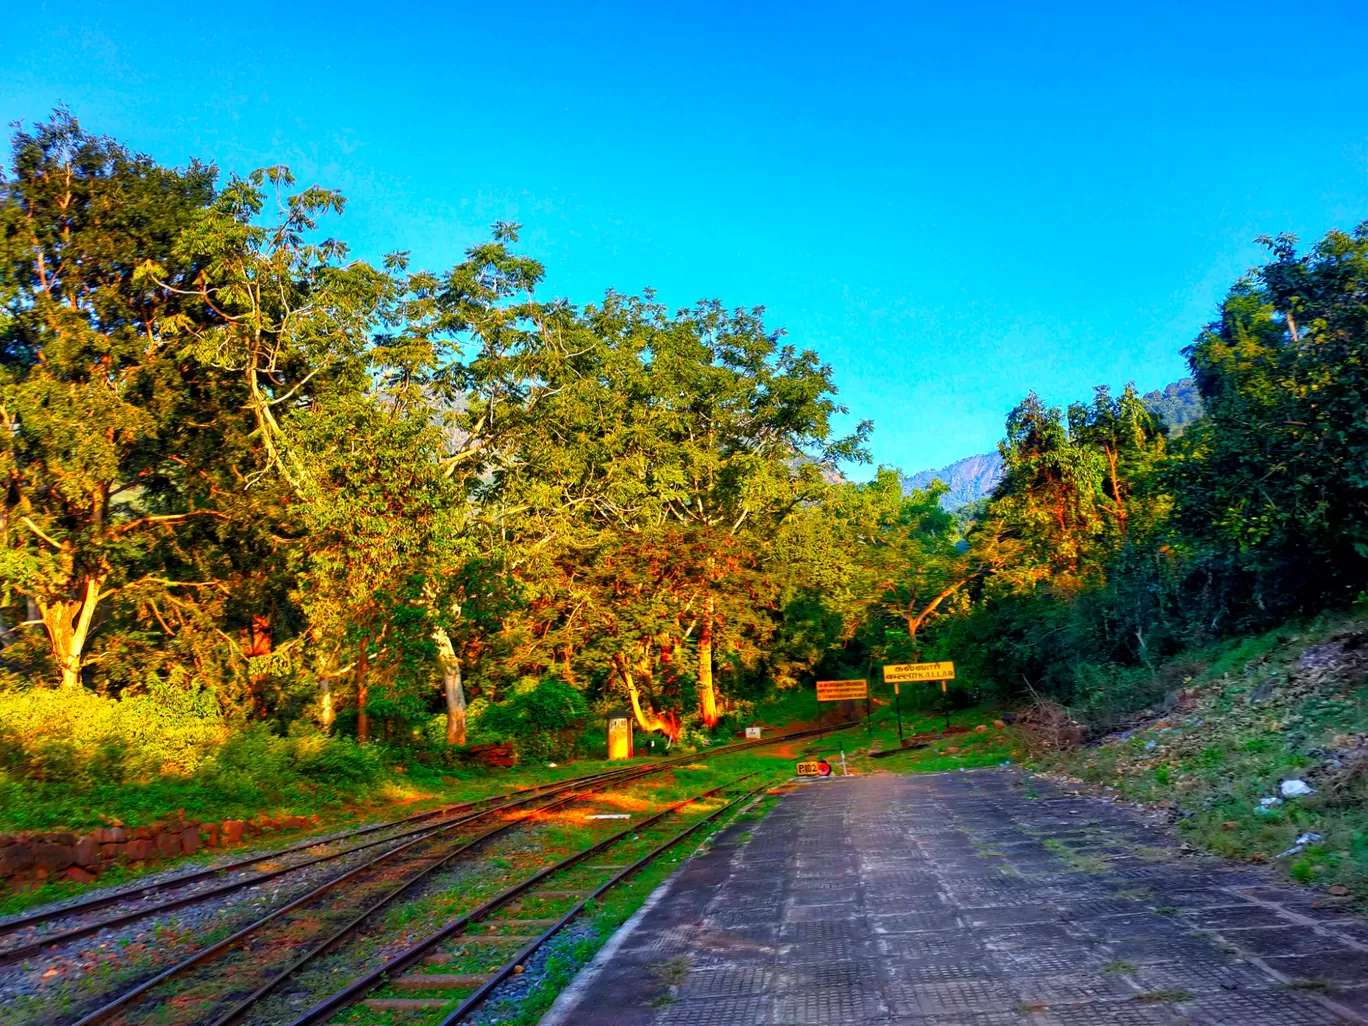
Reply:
x=914, y=622
x=67, y=622
x=327, y=714
x=647, y=719
x=452, y=687
x=362, y=688
x=1116, y=490
x=707, y=694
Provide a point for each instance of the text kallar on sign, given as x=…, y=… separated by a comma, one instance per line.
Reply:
x=903, y=673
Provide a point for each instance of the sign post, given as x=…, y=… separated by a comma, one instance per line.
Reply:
x=897, y=700
x=902, y=673
x=843, y=691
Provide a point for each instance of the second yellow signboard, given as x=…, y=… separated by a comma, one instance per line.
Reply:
x=903, y=673
x=841, y=690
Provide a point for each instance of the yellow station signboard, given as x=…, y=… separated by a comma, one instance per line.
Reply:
x=904, y=673
x=841, y=690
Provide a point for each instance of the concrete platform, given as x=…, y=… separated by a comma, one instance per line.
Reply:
x=966, y=899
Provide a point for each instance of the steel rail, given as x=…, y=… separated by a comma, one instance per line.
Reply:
x=89, y=904
x=486, y=989
x=199, y=957
x=36, y=946
x=11, y=926
x=593, y=782
x=358, y=988
x=20, y=952
x=235, y=1013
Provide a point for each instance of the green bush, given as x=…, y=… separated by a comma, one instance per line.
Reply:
x=76, y=759
x=541, y=719
x=77, y=737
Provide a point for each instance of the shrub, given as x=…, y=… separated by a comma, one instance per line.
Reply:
x=78, y=737
x=542, y=719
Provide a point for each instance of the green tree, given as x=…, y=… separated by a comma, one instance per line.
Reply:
x=699, y=430
x=105, y=449
x=1274, y=480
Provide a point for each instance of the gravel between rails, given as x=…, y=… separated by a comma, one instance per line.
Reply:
x=62, y=985
x=58, y=985
x=167, y=878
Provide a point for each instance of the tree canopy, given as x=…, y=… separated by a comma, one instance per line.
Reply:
x=369, y=497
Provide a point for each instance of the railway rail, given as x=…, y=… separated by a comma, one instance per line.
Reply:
x=11, y=926
x=370, y=889
x=357, y=894
x=482, y=987
x=35, y=946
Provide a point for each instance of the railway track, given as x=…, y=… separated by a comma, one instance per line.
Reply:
x=452, y=997
x=160, y=901
x=235, y=974
x=298, y=932
x=13, y=925
x=24, y=937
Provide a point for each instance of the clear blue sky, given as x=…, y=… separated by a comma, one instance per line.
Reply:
x=953, y=203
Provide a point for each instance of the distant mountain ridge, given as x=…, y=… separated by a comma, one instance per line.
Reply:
x=1178, y=405
x=970, y=479
x=974, y=477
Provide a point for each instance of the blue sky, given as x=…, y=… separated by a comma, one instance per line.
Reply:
x=951, y=203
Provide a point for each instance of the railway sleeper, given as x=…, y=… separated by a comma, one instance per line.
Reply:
x=406, y=1004
x=443, y=957
x=553, y=895
x=441, y=981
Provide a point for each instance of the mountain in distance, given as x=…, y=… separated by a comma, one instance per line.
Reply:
x=974, y=477
x=970, y=479
x=1178, y=405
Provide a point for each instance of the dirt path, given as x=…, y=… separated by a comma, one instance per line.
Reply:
x=960, y=900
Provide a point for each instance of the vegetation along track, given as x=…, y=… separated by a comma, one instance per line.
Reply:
x=330, y=915
x=76, y=920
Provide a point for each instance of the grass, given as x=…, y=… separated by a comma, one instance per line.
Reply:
x=1288, y=704
x=1166, y=996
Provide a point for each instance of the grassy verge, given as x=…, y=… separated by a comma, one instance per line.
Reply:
x=1291, y=704
x=394, y=792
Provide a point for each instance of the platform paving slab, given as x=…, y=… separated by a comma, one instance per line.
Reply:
x=970, y=899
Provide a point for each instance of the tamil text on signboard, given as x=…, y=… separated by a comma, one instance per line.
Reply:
x=841, y=690
x=903, y=673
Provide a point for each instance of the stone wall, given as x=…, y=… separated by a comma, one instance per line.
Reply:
x=28, y=858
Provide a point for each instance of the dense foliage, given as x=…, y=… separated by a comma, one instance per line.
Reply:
x=242, y=463
x=1122, y=545
x=266, y=487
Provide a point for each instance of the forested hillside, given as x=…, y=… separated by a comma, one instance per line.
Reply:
x=262, y=493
